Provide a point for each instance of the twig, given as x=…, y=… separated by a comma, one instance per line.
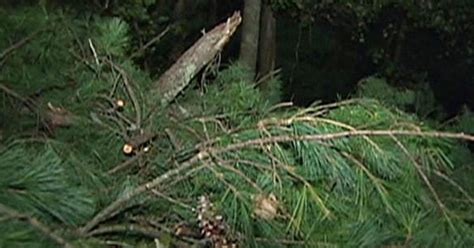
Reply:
x=225, y=164
x=182, y=177
x=130, y=228
x=155, y=223
x=94, y=52
x=149, y=43
x=280, y=105
x=172, y=200
x=147, y=229
x=425, y=179
x=36, y=224
x=126, y=163
x=456, y=185
x=267, y=76
x=206, y=152
x=131, y=93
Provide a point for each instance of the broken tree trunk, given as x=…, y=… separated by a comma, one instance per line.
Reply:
x=176, y=78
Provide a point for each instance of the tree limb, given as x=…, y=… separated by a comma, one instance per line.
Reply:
x=176, y=78
x=207, y=152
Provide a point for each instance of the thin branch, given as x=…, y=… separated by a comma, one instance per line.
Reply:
x=182, y=177
x=110, y=210
x=225, y=164
x=125, y=163
x=378, y=183
x=149, y=43
x=157, y=224
x=456, y=185
x=344, y=134
x=131, y=93
x=127, y=228
x=171, y=199
x=206, y=152
x=425, y=179
x=36, y=224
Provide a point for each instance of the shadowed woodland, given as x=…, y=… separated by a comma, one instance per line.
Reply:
x=236, y=123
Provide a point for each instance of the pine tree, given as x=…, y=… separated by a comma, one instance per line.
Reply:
x=87, y=159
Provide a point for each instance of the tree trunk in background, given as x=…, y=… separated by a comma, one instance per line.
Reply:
x=267, y=45
x=179, y=9
x=250, y=34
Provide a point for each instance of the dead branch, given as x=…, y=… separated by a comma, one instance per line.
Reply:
x=176, y=78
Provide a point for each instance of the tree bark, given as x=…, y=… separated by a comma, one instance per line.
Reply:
x=250, y=34
x=267, y=45
x=176, y=78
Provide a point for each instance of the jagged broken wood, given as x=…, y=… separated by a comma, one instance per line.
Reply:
x=176, y=78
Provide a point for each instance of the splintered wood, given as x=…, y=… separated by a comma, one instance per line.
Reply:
x=176, y=78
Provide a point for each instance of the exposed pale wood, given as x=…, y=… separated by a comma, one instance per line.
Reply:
x=176, y=78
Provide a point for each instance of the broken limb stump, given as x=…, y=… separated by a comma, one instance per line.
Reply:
x=180, y=74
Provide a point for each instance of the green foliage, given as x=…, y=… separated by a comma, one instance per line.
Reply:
x=40, y=183
x=232, y=95
x=465, y=122
x=113, y=37
x=17, y=234
x=379, y=89
x=419, y=99
x=346, y=191
x=363, y=191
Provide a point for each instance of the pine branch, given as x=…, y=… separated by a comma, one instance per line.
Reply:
x=468, y=197
x=338, y=135
x=117, y=204
x=207, y=152
x=425, y=179
x=36, y=224
x=131, y=93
